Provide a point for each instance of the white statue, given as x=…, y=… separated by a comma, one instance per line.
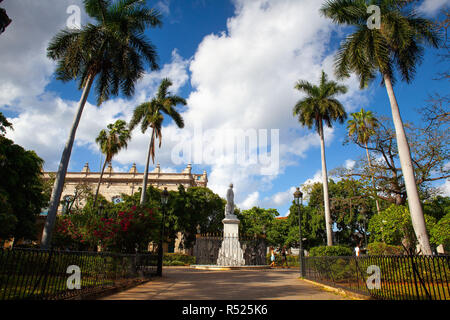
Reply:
x=229, y=208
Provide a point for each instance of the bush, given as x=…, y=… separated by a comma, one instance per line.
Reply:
x=333, y=251
x=178, y=258
x=381, y=248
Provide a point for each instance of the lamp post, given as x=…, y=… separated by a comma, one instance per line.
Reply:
x=298, y=197
x=164, y=200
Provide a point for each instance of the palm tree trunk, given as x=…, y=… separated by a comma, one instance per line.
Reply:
x=415, y=207
x=144, y=182
x=326, y=197
x=98, y=185
x=62, y=170
x=373, y=179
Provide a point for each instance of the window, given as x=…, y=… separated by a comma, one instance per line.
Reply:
x=117, y=199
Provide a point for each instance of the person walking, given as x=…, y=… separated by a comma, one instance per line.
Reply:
x=272, y=257
x=284, y=257
x=357, y=250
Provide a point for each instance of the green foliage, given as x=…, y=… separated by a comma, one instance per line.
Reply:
x=381, y=248
x=21, y=190
x=440, y=232
x=393, y=226
x=4, y=124
x=330, y=251
x=259, y=221
x=313, y=227
x=124, y=232
x=177, y=259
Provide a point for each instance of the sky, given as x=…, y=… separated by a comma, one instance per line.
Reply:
x=236, y=63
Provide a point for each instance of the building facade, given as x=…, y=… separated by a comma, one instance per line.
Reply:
x=114, y=184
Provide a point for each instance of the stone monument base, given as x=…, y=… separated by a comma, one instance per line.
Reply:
x=230, y=253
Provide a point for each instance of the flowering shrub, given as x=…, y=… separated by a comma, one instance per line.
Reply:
x=124, y=231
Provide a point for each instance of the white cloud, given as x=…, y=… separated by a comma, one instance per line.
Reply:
x=445, y=188
x=431, y=7
x=25, y=68
x=250, y=201
x=349, y=164
x=242, y=78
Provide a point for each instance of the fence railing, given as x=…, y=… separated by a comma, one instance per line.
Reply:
x=385, y=277
x=44, y=274
x=207, y=249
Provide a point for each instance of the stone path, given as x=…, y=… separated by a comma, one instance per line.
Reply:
x=183, y=283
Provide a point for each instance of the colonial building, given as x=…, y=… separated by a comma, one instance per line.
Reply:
x=116, y=183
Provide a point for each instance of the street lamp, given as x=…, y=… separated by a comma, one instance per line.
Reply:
x=298, y=198
x=164, y=200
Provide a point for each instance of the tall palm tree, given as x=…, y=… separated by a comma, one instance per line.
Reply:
x=397, y=44
x=319, y=106
x=111, y=141
x=362, y=125
x=150, y=114
x=115, y=49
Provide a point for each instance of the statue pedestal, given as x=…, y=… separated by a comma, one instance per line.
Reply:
x=230, y=253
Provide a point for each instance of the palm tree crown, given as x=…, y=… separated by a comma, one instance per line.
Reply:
x=362, y=124
x=111, y=141
x=320, y=103
x=151, y=114
x=114, y=48
x=396, y=45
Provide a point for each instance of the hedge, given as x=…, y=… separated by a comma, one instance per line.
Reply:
x=383, y=249
x=330, y=251
x=178, y=259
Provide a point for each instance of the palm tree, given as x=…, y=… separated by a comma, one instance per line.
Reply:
x=317, y=107
x=150, y=114
x=115, y=49
x=397, y=44
x=111, y=142
x=363, y=124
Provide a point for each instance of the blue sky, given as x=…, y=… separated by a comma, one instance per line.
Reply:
x=236, y=62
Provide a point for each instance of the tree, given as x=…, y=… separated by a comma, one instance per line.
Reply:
x=111, y=142
x=4, y=19
x=397, y=44
x=429, y=151
x=4, y=124
x=115, y=49
x=21, y=191
x=361, y=128
x=150, y=114
x=191, y=207
x=257, y=221
x=320, y=105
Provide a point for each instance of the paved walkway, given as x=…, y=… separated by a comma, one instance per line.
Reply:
x=183, y=283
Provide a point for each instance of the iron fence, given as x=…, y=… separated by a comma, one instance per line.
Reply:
x=207, y=248
x=27, y=274
x=385, y=277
